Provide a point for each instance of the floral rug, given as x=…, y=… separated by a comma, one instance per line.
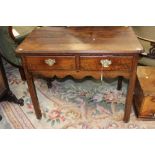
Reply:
x=84, y=104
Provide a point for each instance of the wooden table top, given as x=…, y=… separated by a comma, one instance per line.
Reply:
x=81, y=39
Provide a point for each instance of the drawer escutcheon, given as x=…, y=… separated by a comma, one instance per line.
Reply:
x=50, y=62
x=105, y=62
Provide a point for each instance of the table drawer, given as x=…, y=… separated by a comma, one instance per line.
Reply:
x=51, y=63
x=105, y=63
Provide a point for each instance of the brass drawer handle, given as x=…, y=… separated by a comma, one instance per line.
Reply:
x=105, y=62
x=50, y=62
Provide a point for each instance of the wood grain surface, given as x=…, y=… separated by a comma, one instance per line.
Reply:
x=81, y=40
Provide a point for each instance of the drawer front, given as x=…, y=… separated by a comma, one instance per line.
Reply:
x=105, y=63
x=51, y=63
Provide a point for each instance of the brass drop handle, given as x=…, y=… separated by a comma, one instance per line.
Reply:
x=105, y=62
x=50, y=62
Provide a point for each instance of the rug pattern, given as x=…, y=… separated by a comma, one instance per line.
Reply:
x=84, y=104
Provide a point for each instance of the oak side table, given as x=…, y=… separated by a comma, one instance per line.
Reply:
x=79, y=52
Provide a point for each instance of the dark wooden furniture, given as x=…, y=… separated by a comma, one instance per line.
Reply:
x=144, y=97
x=5, y=92
x=8, y=44
x=80, y=52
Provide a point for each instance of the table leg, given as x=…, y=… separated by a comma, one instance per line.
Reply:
x=119, y=84
x=131, y=87
x=33, y=95
x=49, y=82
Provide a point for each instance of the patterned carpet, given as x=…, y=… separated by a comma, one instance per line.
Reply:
x=85, y=104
